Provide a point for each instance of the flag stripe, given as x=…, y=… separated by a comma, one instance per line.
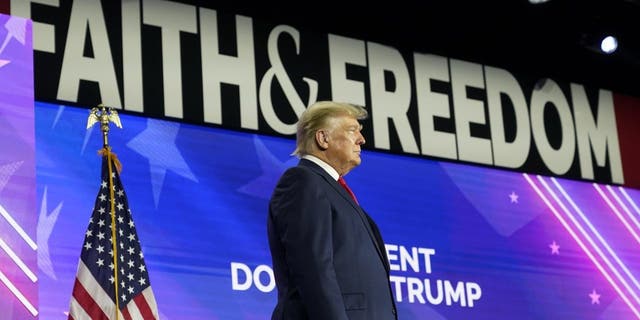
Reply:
x=143, y=307
x=126, y=315
x=86, y=302
x=76, y=309
x=95, y=290
x=151, y=302
x=132, y=309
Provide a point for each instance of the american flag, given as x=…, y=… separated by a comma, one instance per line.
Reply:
x=94, y=291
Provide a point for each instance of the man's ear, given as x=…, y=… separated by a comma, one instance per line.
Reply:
x=322, y=139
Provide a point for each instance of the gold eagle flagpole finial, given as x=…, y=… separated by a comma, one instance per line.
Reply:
x=104, y=115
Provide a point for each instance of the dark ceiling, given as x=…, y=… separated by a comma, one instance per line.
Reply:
x=542, y=40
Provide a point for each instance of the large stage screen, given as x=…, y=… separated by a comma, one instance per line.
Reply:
x=464, y=242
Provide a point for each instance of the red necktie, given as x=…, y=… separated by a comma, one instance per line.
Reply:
x=346, y=187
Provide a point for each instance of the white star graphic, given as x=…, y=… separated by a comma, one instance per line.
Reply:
x=57, y=118
x=161, y=135
x=16, y=29
x=6, y=171
x=595, y=297
x=271, y=167
x=514, y=197
x=87, y=136
x=46, y=222
x=87, y=133
x=555, y=248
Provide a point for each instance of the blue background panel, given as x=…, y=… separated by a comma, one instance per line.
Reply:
x=465, y=242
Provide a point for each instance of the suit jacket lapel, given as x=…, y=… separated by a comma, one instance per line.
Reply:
x=374, y=235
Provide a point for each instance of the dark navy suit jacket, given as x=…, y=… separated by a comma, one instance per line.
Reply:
x=328, y=256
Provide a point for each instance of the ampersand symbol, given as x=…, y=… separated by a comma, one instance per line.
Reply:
x=278, y=71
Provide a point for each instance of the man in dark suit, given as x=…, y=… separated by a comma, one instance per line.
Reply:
x=328, y=256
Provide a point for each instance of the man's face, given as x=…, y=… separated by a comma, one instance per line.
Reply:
x=344, y=140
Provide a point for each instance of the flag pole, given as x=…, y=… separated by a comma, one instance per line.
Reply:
x=104, y=115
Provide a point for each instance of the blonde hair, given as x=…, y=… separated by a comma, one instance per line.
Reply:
x=316, y=117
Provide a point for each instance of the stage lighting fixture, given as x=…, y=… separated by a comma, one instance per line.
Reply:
x=609, y=44
x=600, y=42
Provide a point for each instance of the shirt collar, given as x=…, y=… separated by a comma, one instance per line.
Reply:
x=329, y=169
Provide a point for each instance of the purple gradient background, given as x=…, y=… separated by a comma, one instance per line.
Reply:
x=17, y=162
